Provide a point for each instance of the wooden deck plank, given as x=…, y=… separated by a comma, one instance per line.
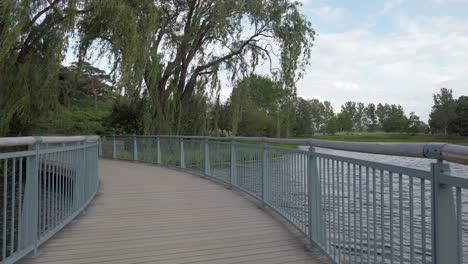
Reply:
x=149, y=214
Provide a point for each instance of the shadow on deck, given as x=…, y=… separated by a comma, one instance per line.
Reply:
x=149, y=214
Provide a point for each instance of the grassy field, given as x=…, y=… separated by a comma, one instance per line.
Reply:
x=271, y=144
x=393, y=137
x=383, y=137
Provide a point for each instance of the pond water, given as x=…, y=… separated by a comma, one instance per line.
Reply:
x=360, y=227
x=416, y=163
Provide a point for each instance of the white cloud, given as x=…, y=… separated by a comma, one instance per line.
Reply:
x=347, y=86
x=326, y=13
x=391, y=4
x=405, y=68
x=451, y=1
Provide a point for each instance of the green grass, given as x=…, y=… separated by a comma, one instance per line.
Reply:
x=271, y=144
x=392, y=137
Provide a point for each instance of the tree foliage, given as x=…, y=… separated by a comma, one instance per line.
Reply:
x=83, y=81
x=449, y=115
x=33, y=38
x=443, y=110
x=258, y=98
x=460, y=123
x=168, y=48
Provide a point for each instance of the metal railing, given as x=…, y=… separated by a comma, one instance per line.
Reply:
x=46, y=182
x=353, y=210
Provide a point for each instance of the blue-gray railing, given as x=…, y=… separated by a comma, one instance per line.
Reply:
x=45, y=183
x=353, y=210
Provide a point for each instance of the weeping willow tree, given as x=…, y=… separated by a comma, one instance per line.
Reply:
x=33, y=38
x=175, y=51
x=256, y=98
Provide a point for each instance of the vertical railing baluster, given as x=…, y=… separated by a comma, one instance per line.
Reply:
x=265, y=177
x=233, y=164
x=459, y=224
x=20, y=203
x=13, y=211
x=158, y=150
x=54, y=182
x=135, y=149
x=382, y=215
x=360, y=215
x=206, y=155
x=41, y=193
x=374, y=213
x=423, y=220
x=343, y=225
x=400, y=208
x=46, y=196
x=390, y=183
x=61, y=186
x=316, y=225
x=368, y=246
x=29, y=219
x=100, y=146
x=34, y=171
x=444, y=219
x=5, y=198
x=114, y=149
x=339, y=212
x=182, y=154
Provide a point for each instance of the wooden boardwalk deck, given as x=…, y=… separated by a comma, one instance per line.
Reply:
x=148, y=214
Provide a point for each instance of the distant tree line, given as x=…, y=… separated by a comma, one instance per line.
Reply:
x=267, y=110
x=88, y=103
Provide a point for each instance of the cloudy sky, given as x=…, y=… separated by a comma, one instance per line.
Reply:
x=393, y=51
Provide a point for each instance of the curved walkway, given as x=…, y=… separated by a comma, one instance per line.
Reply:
x=149, y=214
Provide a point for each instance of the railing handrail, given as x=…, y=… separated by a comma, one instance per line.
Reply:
x=433, y=150
x=25, y=141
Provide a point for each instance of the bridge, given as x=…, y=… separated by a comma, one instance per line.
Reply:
x=167, y=199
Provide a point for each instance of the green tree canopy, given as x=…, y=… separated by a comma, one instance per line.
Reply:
x=304, y=118
x=168, y=47
x=257, y=97
x=33, y=39
x=460, y=124
x=83, y=81
x=443, y=111
x=372, y=122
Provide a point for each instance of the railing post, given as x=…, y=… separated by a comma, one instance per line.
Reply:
x=83, y=177
x=233, y=164
x=158, y=150
x=182, y=154
x=114, y=149
x=206, y=155
x=444, y=220
x=29, y=219
x=314, y=199
x=100, y=147
x=266, y=183
x=135, y=148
